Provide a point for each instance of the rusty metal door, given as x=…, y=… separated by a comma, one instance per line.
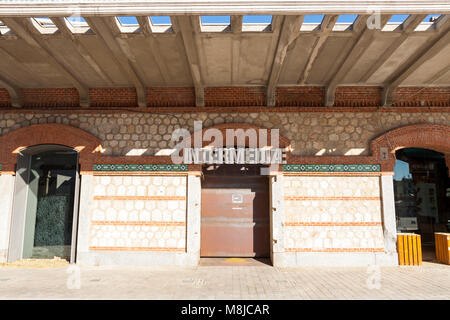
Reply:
x=235, y=213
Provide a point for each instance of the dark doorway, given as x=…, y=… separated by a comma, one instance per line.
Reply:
x=422, y=195
x=235, y=212
x=46, y=193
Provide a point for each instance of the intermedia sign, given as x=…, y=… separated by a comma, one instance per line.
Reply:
x=237, y=146
x=233, y=156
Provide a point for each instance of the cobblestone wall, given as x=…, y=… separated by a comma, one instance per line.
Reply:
x=311, y=133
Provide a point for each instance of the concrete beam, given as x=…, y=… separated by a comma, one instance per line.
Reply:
x=188, y=28
x=61, y=24
x=24, y=29
x=326, y=27
x=289, y=32
x=15, y=96
x=106, y=29
x=178, y=7
x=431, y=48
x=353, y=51
x=409, y=25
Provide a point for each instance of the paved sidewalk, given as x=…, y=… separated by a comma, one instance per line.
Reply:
x=431, y=281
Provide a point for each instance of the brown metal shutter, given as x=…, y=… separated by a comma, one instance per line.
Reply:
x=235, y=214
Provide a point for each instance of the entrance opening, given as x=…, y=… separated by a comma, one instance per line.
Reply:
x=45, y=203
x=235, y=212
x=422, y=195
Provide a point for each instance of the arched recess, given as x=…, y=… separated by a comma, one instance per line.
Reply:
x=427, y=136
x=87, y=145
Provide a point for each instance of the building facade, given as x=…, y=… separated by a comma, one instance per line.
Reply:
x=89, y=111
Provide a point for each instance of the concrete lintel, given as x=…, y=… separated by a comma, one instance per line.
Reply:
x=431, y=49
x=106, y=28
x=409, y=25
x=289, y=32
x=354, y=51
x=326, y=27
x=188, y=27
x=61, y=24
x=24, y=29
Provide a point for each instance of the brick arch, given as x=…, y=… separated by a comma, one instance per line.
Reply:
x=87, y=145
x=428, y=136
x=283, y=143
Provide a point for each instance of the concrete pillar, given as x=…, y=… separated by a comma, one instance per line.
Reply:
x=84, y=216
x=277, y=219
x=6, y=199
x=193, y=220
x=388, y=218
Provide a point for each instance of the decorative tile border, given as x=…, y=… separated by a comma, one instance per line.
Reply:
x=331, y=198
x=144, y=198
x=333, y=224
x=158, y=249
x=140, y=167
x=140, y=223
x=334, y=250
x=331, y=168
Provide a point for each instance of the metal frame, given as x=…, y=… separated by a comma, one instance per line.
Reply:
x=20, y=200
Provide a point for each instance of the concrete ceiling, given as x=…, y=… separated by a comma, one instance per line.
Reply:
x=287, y=53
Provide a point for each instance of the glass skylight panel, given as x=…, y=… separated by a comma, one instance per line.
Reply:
x=428, y=23
x=263, y=19
x=215, y=23
x=160, y=20
x=160, y=24
x=395, y=22
x=128, y=21
x=127, y=24
x=77, y=21
x=311, y=22
x=44, y=25
x=215, y=19
x=257, y=23
x=345, y=22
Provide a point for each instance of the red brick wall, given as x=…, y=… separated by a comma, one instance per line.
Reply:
x=113, y=97
x=235, y=96
x=422, y=97
x=170, y=97
x=4, y=99
x=50, y=98
x=299, y=96
x=358, y=96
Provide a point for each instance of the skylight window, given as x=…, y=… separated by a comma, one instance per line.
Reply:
x=311, y=22
x=395, y=22
x=127, y=24
x=156, y=20
x=264, y=19
x=345, y=22
x=78, y=25
x=215, y=23
x=77, y=21
x=428, y=23
x=257, y=23
x=160, y=24
x=4, y=30
x=128, y=21
x=215, y=19
x=44, y=25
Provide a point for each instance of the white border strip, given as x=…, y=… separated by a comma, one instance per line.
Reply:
x=153, y=7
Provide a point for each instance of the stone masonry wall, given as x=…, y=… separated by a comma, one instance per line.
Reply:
x=311, y=133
